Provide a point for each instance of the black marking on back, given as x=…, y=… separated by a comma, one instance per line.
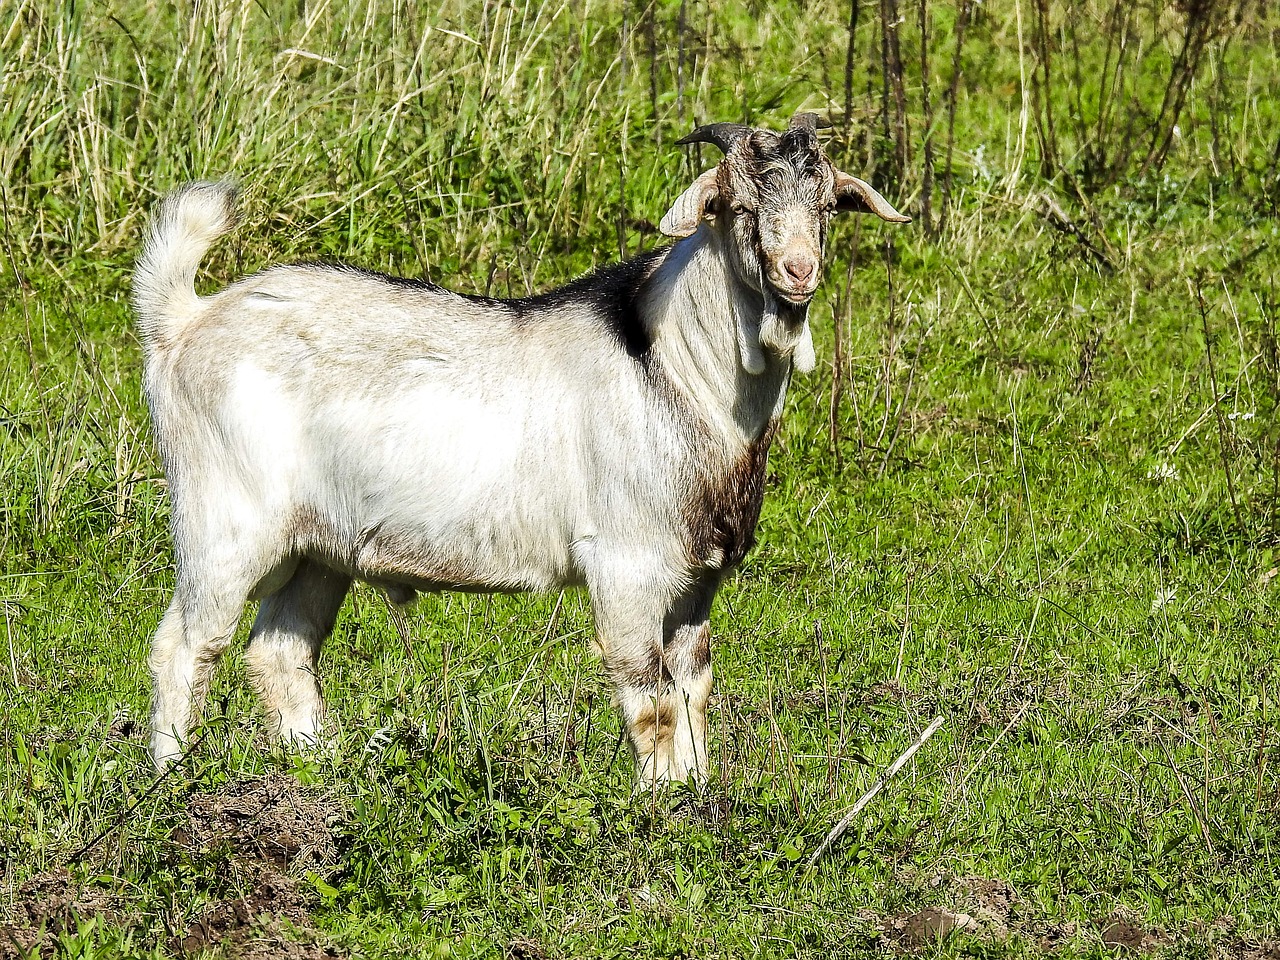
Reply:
x=403, y=283
x=610, y=293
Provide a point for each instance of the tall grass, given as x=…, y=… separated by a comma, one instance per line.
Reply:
x=452, y=122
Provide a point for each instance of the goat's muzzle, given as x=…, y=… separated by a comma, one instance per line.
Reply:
x=794, y=278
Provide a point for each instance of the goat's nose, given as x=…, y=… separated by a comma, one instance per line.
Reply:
x=799, y=269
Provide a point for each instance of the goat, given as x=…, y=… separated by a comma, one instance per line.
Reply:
x=320, y=423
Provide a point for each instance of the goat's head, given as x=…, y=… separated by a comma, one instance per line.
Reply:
x=771, y=200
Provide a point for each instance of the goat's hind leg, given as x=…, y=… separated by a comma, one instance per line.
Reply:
x=284, y=650
x=196, y=630
x=222, y=557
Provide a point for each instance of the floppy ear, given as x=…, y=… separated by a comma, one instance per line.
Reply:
x=691, y=206
x=859, y=196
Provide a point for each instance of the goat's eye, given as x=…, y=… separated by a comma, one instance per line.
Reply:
x=738, y=208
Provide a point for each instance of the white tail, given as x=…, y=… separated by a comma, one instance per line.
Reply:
x=187, y=222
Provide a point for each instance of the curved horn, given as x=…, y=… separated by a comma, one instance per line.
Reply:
x=723, y=135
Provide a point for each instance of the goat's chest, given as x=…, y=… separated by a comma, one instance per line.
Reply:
x=723, y=506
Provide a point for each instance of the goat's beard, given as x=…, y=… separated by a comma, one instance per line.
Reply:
x=783, y=328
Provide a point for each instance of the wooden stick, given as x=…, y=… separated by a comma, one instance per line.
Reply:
x=838, y=830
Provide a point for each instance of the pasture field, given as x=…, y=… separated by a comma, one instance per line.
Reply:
x=1033, y=489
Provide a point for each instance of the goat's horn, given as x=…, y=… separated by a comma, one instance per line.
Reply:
x=723, y=135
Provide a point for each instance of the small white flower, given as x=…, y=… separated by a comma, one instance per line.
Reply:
x=1164, y=471
x=1240, y=415
x=980, y=161
x=378, y=741
x=1164, y=596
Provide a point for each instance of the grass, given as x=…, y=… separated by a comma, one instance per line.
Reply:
x=1033, y=491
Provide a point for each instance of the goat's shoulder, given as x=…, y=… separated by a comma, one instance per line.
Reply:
x=609, y=297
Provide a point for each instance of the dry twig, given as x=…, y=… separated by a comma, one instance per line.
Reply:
x=838, y=830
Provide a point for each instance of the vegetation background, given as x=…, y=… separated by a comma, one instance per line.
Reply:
x=1032, y=489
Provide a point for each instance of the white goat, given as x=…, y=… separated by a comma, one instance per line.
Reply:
x=320, y=424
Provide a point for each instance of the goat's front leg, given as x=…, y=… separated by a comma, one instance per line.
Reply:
x=656, y=648
x=686, y=654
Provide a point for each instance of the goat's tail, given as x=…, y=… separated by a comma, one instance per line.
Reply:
x=182, y=229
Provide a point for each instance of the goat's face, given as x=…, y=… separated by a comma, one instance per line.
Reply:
x=776, y=196
x=771, y=198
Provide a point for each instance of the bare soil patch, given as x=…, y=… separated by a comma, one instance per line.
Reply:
x=271, y=818
x=260, y=834
x=270, y=920
x=49, y=904
x=928, y=926
x=970, y=905
x=273, y=830
x=1127, y=933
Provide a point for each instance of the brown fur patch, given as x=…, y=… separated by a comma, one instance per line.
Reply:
x=654, y=724
x=645, y=674
x=699, y=655
x=396, y=560
x=311, y=533
x=725, y=506
x=379, y=558
x=688, y=652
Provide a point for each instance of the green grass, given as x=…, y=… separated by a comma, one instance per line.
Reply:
x=1028, y=511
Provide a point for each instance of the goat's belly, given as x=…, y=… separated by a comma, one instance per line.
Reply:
x=454, y=490
x=472, y=555
x=438, y=548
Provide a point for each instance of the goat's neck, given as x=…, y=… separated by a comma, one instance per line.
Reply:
x=696, y=307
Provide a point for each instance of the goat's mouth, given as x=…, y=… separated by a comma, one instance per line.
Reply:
x=796, y=293
x=796, y=298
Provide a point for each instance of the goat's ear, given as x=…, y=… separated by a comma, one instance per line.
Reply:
x=691, y=206
x=859, y=196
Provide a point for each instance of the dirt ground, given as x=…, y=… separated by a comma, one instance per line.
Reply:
x=264, y=833
x=990, y=909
